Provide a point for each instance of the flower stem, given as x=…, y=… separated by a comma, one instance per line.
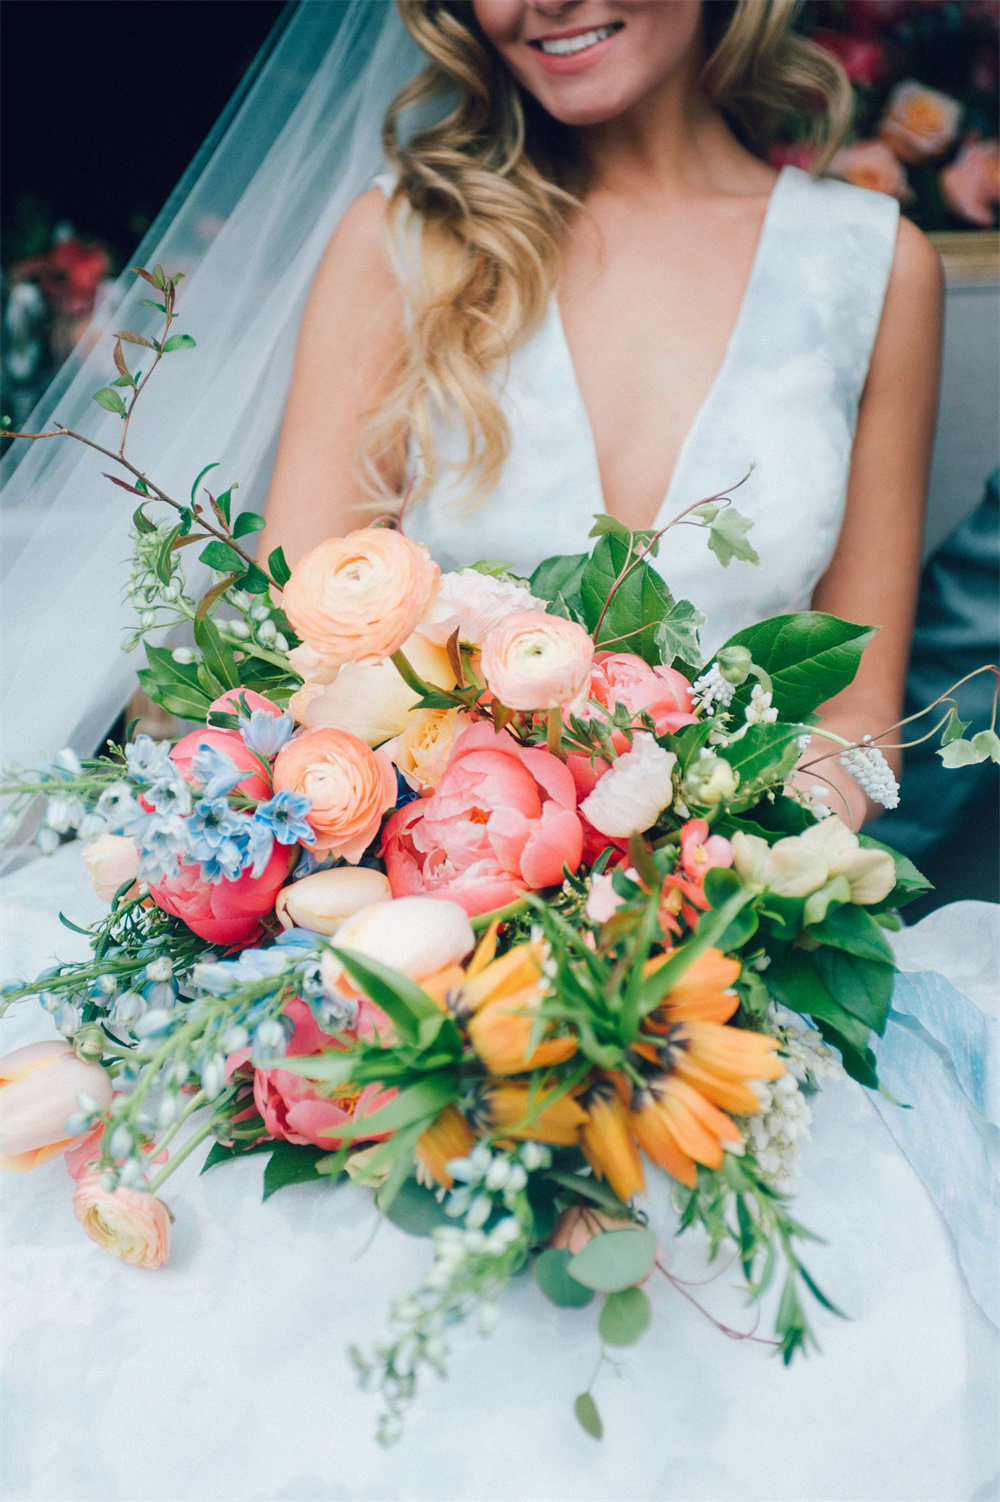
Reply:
x=553, y=735
x=498, y=915
x=193, y=1141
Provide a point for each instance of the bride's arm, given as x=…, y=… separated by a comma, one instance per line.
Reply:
x=874, y=573
x=348, y=345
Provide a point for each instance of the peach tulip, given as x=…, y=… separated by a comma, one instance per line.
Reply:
x=322, y=901
x=39, y=1085
x=112, y=860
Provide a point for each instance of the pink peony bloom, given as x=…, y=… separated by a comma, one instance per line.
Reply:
x=228, y=913
x=533, y=660
x=474, y=604
x=870, y=164
x=970, y=186
x=128, y=1223
x=864, y=61
x=700, y=850
x=623, y=678
x=502, y=821
x=291, y=1106
x=228, y=741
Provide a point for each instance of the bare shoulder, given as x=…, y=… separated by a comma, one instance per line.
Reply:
x=917, y=274
x=355, y=271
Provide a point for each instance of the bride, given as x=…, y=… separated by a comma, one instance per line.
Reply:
x=584, y=290
x=581, y=291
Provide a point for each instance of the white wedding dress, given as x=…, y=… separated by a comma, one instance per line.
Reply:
x=224, y=1377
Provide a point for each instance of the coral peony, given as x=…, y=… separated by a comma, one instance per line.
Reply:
x=357, y=598
x=322, y=901
x=634, y=791
x=970, y=186
x=112, y=860
x=919, y=122
x=474, y=604
x=38, y=1088
x=291, y=1105
x=126, y=1222
x=371, y=700
x=350, y=787
x=623, y=678
x=502, y=821
x=871, y=164
x=537, y=661
x=228, y=913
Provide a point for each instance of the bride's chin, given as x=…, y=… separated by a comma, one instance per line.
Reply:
x=585, y=104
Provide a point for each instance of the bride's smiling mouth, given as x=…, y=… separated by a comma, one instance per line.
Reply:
x=576, y=48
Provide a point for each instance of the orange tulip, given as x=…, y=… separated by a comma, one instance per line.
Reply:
x=501, y=1035
x=507, y=1105
x=448, y=1137
x=514, y=973
x=608, y=1143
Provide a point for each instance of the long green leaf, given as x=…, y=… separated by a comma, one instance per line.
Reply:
x=399, y=997
x=426, y=1098
x=711, y=927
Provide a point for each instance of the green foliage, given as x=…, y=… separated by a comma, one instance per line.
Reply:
x=587, y=1415
x=291, y=1163
x=219, y=660
x=636, y=592
x=551, y=1270
x=558, y=581
x=809, y=658
x=176, y=341
x=220, y=556
x=677, y=634
x=278, y=565
x=615, y=1259
x=248, y=521
x=727, y=537
x=910, y=882
x=626, y=1315
x=796, y=980
x=111, y=400
x=414, y=1209
x=763, y=757
x=982, y=747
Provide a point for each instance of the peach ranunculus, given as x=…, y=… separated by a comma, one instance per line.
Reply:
x=39, y=1085
x=112, y=860
x=919, y=122
x=291, y=1106
x=970, y=186
x=474, y=604
x=871, y=164
x=502, y=821
x=322, y=901
x=350, y=786
x=229, y=912
x=422, y=752
x=533, y=660
x=357, y=598
x=371, y=700
x=129, y=1223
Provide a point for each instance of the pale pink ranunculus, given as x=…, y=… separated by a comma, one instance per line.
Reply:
x=871, y=164
x=502, y=821
x=701, y=850
x=474, y=604
x=970, y=186
x=229, y=912
x=634, y=791
x=357, y=598
x=129, y=1223
x=291, y=1105
x=350, y=786
x=38, y=1088
x=533, y=660
x=919, y=122
x=112, y=860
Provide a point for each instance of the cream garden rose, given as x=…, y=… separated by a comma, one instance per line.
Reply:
x=357, y=598
x=533, y=661
x=130, y=1224
x=421, y=753
x=371, y=700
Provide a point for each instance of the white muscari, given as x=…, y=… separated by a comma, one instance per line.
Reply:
x=873, y=773
x=760, y=711
x=712, y=690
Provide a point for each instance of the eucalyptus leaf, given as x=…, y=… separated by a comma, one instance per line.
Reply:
x=626, y=1315
x=552, y=1276
x=587, y=1415
x=615, y=1259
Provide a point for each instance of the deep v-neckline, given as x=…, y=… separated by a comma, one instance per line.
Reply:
x=587, y=432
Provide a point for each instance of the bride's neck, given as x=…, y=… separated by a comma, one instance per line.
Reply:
x=668, y=145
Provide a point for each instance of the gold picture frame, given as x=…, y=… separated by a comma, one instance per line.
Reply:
x=969, y=255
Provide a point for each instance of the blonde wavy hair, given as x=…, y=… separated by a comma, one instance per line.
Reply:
x=486, y=194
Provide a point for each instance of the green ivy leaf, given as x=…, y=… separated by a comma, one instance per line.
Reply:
x=987, y=744
x=955, y=728
x=615, y=1259
x=552, y=1276
x=111, y=401
x=727, y=537
x=625, y=1316
x=587, y=1415
x=558, y=581
x=959, y=754
x=638, y=604
x=677, y=633
x=177, y=341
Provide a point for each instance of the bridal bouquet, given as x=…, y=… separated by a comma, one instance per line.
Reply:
x=483, y=892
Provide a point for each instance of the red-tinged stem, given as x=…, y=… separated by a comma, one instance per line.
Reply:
x=727, y=1330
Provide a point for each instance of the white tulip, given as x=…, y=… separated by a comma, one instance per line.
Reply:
x=322, y=901
x=111, y=860
x=416, y=935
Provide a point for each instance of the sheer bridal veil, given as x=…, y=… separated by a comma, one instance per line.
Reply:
x=247, y=224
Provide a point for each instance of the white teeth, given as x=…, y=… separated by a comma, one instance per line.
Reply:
x=568, y=46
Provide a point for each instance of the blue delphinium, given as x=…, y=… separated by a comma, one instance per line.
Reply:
x=160, y=839
x=265, y=733
x=170, y=795
x=285, y=814
x=218, y=838
x=260, y=844
x=149, y=760
x=216, y=771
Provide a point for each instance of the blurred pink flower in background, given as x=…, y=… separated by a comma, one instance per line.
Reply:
x=863, y=60
x=871, y=164
x=39, y=1085
x=970, y=186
